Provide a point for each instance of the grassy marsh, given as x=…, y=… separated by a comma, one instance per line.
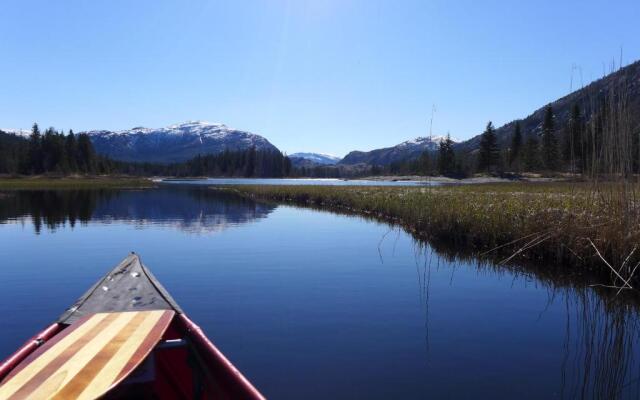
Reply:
x=559, y=223
x=50, y=183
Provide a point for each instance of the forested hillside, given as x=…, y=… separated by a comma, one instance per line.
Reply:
x=593, y=130
x=53, y=152
x=48, y=152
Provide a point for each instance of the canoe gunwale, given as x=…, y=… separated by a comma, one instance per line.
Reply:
x=232, y=380
x=29, y=347
x=245, y=389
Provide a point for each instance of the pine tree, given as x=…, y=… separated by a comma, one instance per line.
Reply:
x=250, y=164
x=424, y=164
x=489, y=154
x=572, y=145
x=549, y=149
x=86, y=154
x=516, y=144
x=49, y=150
x=446, y=156
x=34, y=163
x=286, y=167
x=71, y=151
x=531, y=154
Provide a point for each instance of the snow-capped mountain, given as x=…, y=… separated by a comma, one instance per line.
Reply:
x=313, y=159
x=174, y=143
x=404, y=151
x=25, y=133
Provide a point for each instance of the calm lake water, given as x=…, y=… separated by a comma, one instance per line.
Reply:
x=313, y=305
x=297, y=182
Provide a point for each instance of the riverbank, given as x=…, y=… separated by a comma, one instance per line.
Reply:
x=535, y=178
x=79, y=182
x=561, y=224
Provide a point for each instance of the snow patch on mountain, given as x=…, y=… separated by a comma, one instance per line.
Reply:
x=428, y=142
x=174, y=143
x=18, y=132
x=318, y=158
x=407, y=150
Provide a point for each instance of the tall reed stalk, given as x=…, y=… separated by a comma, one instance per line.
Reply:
x=611, y=146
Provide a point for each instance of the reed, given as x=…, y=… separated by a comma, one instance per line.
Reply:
x=563, y=224
x=591, y=226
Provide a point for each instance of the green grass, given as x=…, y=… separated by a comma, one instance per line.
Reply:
x=48, y=183
x=543, y=221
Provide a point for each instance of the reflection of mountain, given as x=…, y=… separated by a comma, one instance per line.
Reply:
x=192, y=209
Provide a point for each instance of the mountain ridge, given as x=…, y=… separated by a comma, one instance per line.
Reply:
x=310, y=159
x=174, y=143
x=587, y=97
x=406, y=150
x=183, y=141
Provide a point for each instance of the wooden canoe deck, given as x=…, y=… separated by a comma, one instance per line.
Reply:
x=89, y=357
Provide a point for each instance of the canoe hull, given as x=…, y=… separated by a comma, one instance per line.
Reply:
x=184, y=363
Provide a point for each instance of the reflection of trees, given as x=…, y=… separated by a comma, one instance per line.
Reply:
x=190, y=209
x=51, y=208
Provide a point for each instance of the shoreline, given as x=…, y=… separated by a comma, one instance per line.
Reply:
x=461, y=181
x=557, y=225
x=125, y=181
x=74, y=182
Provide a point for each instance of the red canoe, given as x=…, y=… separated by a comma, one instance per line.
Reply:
x=125, y=338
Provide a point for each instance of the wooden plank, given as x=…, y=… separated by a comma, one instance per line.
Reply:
x=90, y=360
x=37, y=364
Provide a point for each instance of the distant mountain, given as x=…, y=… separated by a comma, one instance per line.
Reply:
x=410, y=149
x=17, y=132
x=312, y=159
x=627, y=78
x=184, y=141
x=587, y=97
x=174, y=143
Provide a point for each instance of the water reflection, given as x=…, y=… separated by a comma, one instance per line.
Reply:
x=370, y=297
x=190, y=209
x=600, y=348
x=601, y=338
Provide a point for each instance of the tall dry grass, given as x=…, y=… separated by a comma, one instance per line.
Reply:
x=591, y=224
x=612, y=146
x=548, y=222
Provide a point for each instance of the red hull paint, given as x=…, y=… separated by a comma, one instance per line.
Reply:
x=183, y=364
x=234, y=384
x=221, y=380
x=29, y=347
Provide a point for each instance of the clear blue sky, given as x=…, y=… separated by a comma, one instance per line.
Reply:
x=310, y=75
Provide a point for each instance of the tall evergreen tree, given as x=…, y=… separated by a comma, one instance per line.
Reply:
x=549, y=150
x=250, y=164
x=446, y=156
x=86, y=154
x=286, y=167
x=424, y=164
x=489, y=153
x=572, y=146
x=516, y=144
x=531, y=154
x=34, y=164
x=71, y=151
